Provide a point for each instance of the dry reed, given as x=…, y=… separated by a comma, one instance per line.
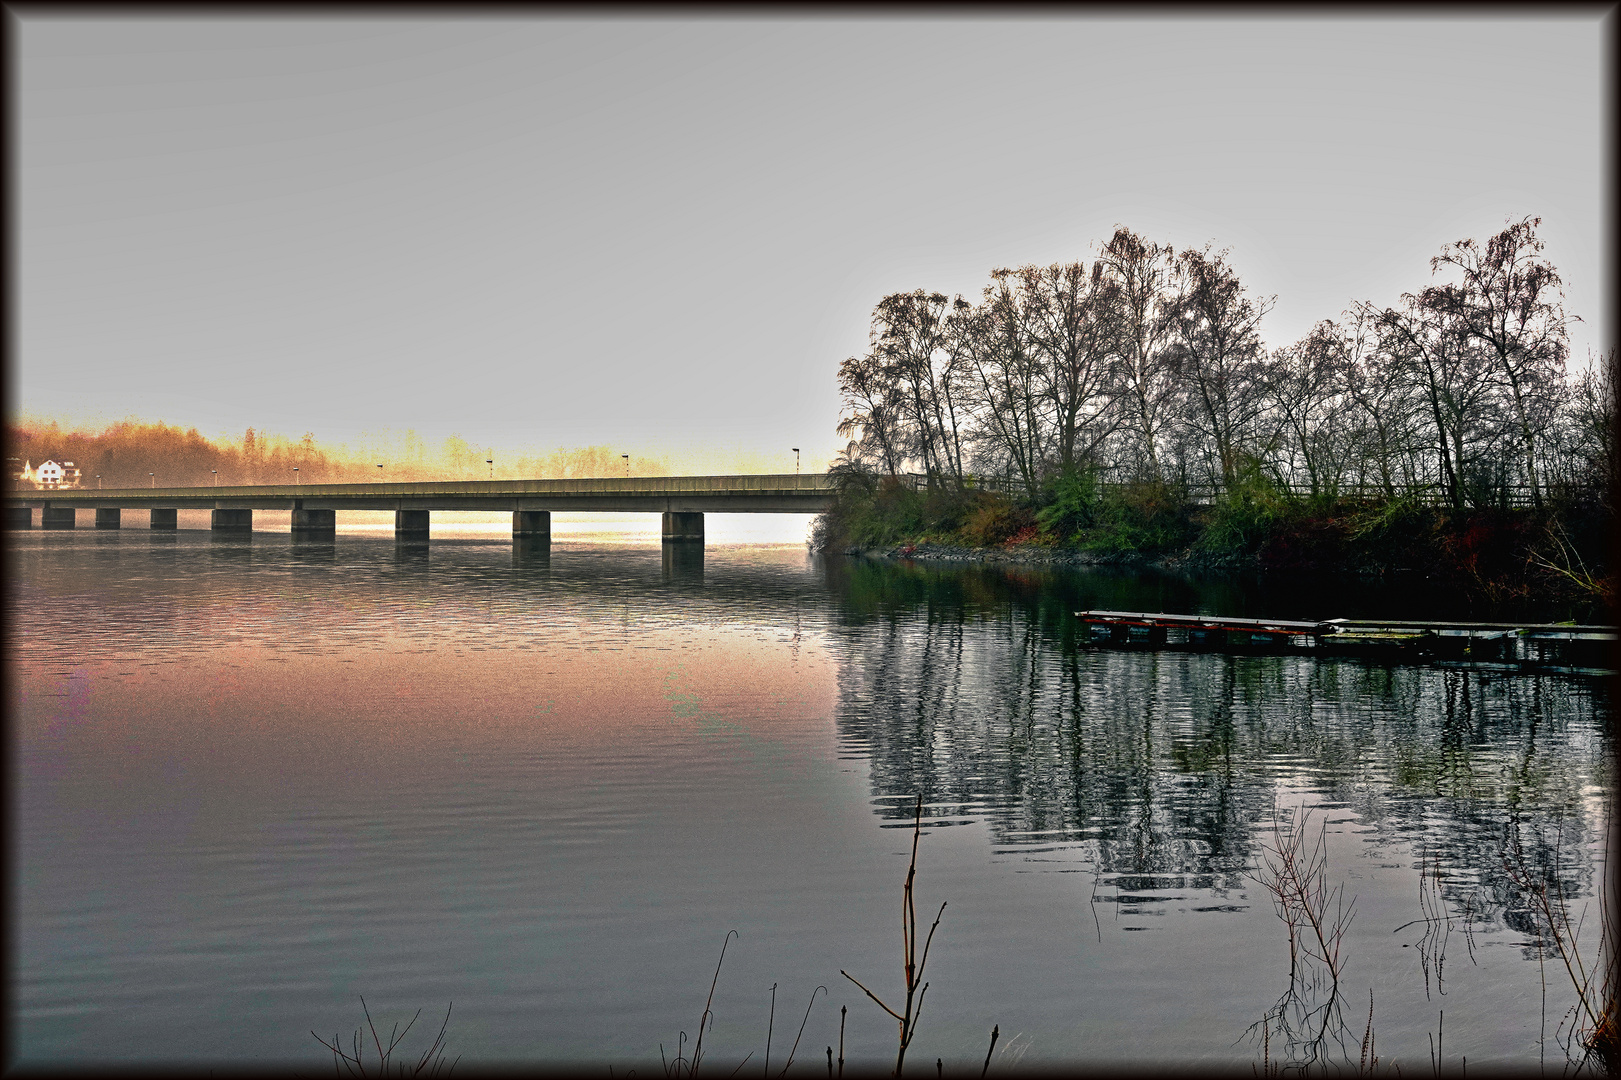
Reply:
x=1590, y=1025
x=353, y=1060
x=1310, y=1013
x=912, y=963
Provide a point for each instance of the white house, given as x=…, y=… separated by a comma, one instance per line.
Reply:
x=51, y=475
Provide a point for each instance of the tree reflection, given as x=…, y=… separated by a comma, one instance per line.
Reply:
x=971, y=685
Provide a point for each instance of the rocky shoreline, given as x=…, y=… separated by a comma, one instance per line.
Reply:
x=1039, y=555
x=1030, y=554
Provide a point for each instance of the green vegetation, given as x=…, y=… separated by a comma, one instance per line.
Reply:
x=1496, y=554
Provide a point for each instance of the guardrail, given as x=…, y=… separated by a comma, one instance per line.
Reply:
x=1516, y=496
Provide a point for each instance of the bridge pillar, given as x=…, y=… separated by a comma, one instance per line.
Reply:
x=683, y=527
x=532, y=523
x=109, y=517
x=231, y=521
x=19, y=517
x=57, y=517
x=315, y=522
x=411, y=523
x=165, y=519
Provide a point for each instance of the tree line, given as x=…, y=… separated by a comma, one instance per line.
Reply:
x=134, y=453
x=1148, y=365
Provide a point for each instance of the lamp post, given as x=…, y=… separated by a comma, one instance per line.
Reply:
x=379, y=472
x=154, y=477
x=295, y=476
x=490, y=461
x=98, y=480
x=796, y=461
x=216, y=473
x=627, y=465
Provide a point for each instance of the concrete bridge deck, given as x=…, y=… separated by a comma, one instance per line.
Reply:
x=683, y=500
x=766, y=494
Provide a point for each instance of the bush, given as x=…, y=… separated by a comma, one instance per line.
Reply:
x=1071, y=500
x=1246, y=514
x=995, y=520
x=1142, y=517
x=876, y=512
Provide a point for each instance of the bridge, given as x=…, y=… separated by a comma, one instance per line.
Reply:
x=683, y=500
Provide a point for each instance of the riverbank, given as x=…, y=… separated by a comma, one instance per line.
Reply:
x=1560, y=552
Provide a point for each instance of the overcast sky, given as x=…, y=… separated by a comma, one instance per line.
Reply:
x=666, y=234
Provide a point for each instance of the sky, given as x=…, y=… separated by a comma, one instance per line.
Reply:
x=664, y=235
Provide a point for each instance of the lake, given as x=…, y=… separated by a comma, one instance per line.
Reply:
x=257, y=779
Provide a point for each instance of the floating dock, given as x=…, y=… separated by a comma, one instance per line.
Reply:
x=1517, y=646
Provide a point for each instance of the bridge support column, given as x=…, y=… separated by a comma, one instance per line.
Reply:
x=109, y=517
x=19, y=517
x=412, y=524
x=532, y=523
x=683, y=528
x=315, y=522
x=165, y=519
x=56, y=517
x=231, y=521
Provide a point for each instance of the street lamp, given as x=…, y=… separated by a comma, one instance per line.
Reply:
x=796, y=461
x=627, y=465
x=379, y=471
x=98, y=480
x=295, y=475
x=154, y=477
x=490, y=461
x=216, y=473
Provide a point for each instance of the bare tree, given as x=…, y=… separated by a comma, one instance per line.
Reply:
x=872, y=417
x=1068, y=315
x=1590, y=410
x=1430, y=344
x=1140, y=275
x=1307, y=386
x=912, y=340
x=1383, y=407
x=1013, y=428
x=1511, y=304
x=1215, y=330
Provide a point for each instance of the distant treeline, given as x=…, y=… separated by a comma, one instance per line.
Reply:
x=134, y=453
x=1147, y=366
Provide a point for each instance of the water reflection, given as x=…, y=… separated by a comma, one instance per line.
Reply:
x=1159, y=772
x=314, y=548
x=532, y=552
x=535, y=766
x=683, y=562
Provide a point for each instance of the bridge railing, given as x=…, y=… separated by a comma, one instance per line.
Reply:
x=809, y=483
x=1514, y=496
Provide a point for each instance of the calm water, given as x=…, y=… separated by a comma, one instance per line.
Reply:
x=256, y=780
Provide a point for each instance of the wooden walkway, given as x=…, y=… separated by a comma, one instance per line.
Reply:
x=1521, y=646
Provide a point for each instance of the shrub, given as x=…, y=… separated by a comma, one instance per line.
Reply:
x=873, y=512
x=1246, y=513
x=1140, y=517
x=1071, y=500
